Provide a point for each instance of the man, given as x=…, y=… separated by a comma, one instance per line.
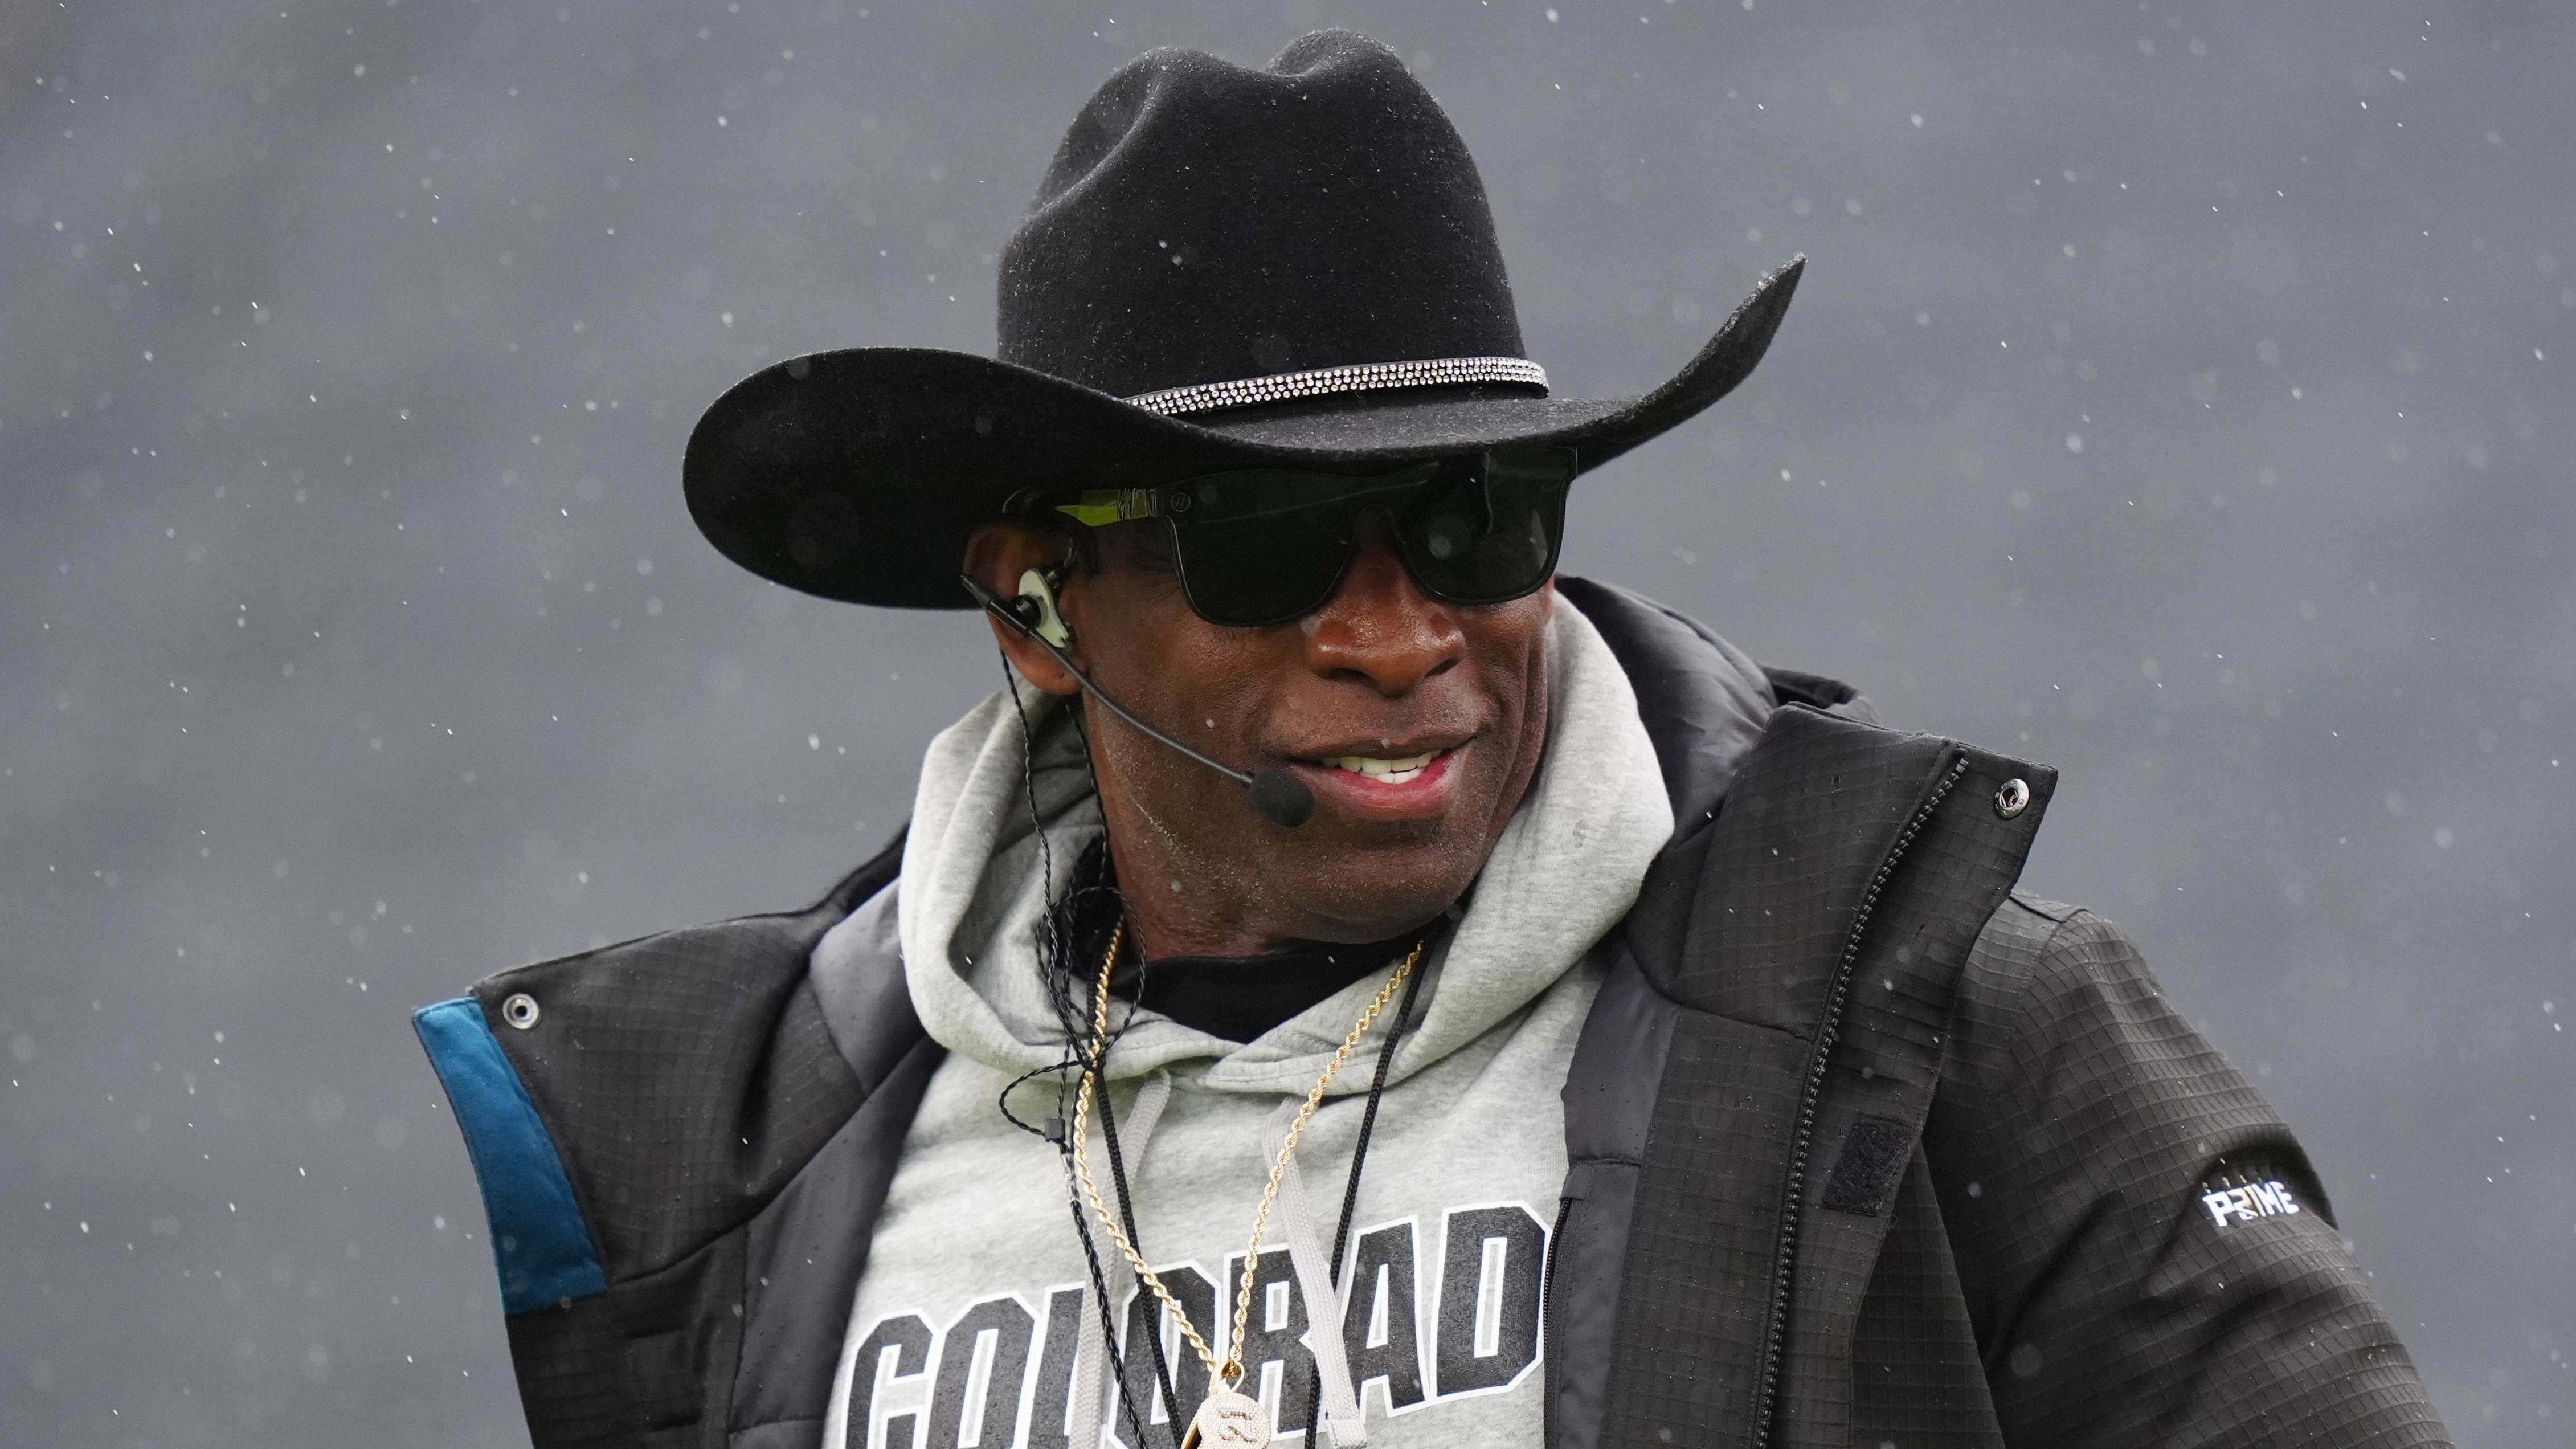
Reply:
x=1603, y=1039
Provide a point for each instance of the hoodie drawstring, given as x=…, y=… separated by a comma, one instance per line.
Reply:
x=1315, y=1285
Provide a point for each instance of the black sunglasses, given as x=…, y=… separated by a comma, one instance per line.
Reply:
x=1263, y=546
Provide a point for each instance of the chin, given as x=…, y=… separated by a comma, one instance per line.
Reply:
x=1372, y=898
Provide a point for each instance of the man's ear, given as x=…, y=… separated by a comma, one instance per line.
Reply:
x=999, y=553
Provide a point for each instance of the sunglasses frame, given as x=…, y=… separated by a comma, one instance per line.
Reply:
x=1394, y=491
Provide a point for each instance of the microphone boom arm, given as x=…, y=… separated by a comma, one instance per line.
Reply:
x=1281, y=797
x=994, y=606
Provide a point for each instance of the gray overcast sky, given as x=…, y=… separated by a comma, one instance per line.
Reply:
x=2178, y=394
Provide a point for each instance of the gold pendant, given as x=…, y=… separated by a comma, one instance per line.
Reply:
x=1228, y=1420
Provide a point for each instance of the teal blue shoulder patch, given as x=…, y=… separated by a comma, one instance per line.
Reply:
x=539, y=1240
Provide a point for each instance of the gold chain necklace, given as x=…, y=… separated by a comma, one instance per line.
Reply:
x=1227, y=1416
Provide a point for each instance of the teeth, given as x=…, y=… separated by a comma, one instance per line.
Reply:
x=1394, y=772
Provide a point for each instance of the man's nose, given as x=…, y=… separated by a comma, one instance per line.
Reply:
x=1379, y=627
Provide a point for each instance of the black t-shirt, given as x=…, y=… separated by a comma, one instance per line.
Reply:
x=1238, y=998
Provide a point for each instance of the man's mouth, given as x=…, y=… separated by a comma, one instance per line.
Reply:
x=1383, y=780
x=1395, y=771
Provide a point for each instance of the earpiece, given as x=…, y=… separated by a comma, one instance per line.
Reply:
x=1035, y=607
x=1277, y=793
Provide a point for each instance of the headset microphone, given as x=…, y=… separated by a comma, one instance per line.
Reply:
x=1280, y=796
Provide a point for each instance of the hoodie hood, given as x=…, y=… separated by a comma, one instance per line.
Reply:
x=976, y=877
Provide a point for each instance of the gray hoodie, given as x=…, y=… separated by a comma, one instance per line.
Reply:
x=975, y=1322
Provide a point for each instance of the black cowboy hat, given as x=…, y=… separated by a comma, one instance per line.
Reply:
x=1224, y=268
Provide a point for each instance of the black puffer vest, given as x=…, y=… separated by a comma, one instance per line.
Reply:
x=1828, y=1185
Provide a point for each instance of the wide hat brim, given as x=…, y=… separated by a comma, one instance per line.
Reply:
x=860, y=474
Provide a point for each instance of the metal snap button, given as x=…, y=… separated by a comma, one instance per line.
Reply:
x=519, y=1009
x=2011, y=798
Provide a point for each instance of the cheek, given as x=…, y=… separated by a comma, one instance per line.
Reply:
x=1201, y=683
x=1519, y=681
x=1516, y=649
x=1237, y=704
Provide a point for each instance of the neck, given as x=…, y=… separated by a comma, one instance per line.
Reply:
x=1177, y=903
x=1161, y=931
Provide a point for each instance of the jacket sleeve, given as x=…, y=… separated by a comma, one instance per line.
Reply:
x=2146, y=1253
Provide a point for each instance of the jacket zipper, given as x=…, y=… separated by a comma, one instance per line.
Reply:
x=1828, y=1030
x=1547, y=1325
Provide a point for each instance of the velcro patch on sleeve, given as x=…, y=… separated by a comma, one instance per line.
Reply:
x=1873, y=1152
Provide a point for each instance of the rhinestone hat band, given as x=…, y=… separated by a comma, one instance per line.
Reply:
x=1200, y=397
